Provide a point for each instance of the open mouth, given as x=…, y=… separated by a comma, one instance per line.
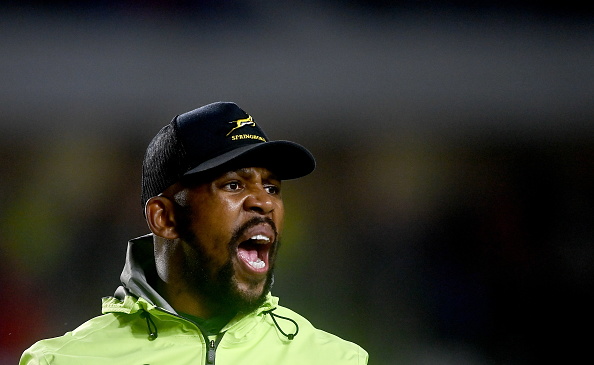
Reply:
x=254, y=251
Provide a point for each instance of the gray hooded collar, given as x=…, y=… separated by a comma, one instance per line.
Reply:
x=139, y=271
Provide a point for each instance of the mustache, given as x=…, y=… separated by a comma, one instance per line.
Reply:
x=252, y=223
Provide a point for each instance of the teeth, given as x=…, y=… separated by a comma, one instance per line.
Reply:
x=260, y=237
x=258, y=264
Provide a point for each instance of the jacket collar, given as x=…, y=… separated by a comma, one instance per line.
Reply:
x=139, y=271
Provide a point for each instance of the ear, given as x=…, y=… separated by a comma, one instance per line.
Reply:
x=160, y=216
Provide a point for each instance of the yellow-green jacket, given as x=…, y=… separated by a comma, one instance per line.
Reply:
x=139, y=327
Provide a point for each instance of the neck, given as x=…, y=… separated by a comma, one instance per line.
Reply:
x=186, y=301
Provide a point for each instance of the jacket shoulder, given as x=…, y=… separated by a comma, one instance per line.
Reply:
x=322, y=344
x=73, y=343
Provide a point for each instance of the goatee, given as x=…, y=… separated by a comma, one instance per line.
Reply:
x=219, y=285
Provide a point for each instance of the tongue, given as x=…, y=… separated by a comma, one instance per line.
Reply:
x=247, y=254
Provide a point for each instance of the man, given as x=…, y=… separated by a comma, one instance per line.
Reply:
x=197, y=289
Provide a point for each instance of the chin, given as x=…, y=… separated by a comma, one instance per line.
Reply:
x=249, y=296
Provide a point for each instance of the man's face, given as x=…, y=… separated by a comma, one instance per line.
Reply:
x=230, y=228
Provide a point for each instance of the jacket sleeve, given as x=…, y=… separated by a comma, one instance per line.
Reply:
x=364, y=356
x=34, y=355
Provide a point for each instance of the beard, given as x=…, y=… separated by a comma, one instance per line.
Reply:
x=218, y=285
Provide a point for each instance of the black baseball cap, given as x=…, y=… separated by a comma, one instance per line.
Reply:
x=212, y=137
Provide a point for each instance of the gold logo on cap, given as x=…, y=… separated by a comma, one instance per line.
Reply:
x=242, y=123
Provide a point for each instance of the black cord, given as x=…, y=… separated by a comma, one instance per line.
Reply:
x=290, y=336
x=152, y=328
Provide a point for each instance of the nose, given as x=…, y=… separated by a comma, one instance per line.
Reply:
x=258, y=200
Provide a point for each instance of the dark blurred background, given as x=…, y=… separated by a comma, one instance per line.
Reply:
x=449, y=220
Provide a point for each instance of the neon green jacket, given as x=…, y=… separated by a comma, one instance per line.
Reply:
x=139, y=327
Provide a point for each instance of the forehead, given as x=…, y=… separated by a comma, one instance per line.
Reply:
x=248, y=172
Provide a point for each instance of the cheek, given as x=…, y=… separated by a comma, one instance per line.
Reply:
x=217, y=248
x=279, y=217
x=213, y=231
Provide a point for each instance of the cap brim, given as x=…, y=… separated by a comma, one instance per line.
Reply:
x=288, y=160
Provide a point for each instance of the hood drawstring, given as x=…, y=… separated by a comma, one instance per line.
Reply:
x=152, y=328
x=290, y=336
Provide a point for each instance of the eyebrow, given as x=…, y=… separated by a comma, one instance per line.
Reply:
x=245, y=171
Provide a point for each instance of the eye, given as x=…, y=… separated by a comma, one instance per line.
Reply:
x=272, y=189
x=232, y=186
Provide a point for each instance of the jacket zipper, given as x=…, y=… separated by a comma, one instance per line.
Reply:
x=211, y=345
x=211, y=348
